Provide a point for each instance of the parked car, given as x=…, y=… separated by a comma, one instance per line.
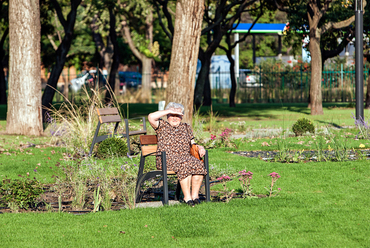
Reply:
x=249, y=78
x=130, y=78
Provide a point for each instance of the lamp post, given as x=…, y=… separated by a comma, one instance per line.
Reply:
x=359, y=89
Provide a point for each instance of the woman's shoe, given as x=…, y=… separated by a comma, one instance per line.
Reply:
x=190, y=203
x=196, y=201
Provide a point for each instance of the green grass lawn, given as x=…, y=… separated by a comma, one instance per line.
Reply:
x=321, y=204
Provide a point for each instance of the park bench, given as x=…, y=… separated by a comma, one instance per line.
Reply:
x=111, y=115
x=149, y=148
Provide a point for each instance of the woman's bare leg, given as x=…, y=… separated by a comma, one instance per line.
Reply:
x=196, y=182
x=185, y=186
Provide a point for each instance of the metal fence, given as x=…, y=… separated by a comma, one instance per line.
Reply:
x=338, y=85
x=273, y=86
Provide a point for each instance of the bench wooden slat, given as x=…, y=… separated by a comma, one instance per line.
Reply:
x=148, y=139
x=107, y=111
x=138, y=132
x=110, y=118
x=145, y=150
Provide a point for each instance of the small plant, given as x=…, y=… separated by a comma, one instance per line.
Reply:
x=112, y=147
x=106, y=201
x=225, y=137
x=228, y=195
x=303, y=126
x=319, y=146
x=245, y=182
x=79, y=199
x=284, y=152
x=22, y=193
x=274, y=177
x=212, y=120
x=363, y=127
x=97, y=199
x=340, y=148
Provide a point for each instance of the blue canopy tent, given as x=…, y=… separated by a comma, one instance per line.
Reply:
x=258, y=29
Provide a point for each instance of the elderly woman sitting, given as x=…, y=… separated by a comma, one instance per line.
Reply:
x=175, y=137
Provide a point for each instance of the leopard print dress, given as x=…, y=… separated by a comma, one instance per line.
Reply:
x=176, y=142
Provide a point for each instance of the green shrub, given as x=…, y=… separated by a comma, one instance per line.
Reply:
x=303, y=126
x=112, y=146
x=22, y=193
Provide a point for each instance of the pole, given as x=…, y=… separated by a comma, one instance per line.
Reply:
x=236, y=66
x=359, y=89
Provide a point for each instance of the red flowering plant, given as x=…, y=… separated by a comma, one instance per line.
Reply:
x=274, y=177
x=220, y=140
x=227, y=195
x=245, y=182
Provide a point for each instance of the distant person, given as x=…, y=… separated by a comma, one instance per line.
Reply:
x=175, y=138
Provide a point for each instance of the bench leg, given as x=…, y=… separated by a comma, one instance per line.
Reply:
x=165, y=182
x=139, y=178
x=207, y=186
x=178, y=191
x=94, y=139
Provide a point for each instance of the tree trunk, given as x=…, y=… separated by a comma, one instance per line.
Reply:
x=316, y=69
x=185, y=48
x=3, y=97
x=146, y=70
x=202, y=81
x=61, y=55
x=233, y=80
x=115, y=58
x=146, y=78
x=24, y=105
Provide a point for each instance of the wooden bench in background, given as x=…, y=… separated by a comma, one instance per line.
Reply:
x=149, y=148
x=111, y=115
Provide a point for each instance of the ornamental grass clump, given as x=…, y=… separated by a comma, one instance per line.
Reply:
x=73, y=125
x=91, y=181
x=302, y=126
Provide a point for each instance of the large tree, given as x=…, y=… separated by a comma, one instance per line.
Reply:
x=24, y=102
x=4, y=30
x=219, y=17
x=185, y=48
x=63, y=48
x=229, y=49
x=136, y=17
x=327, y=23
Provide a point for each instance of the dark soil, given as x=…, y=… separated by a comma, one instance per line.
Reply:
x=308, y=156
x=48, y=201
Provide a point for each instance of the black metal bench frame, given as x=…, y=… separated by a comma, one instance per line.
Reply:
x=142, y=177
x=111, y=115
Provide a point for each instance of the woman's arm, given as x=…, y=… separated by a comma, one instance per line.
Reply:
x=201, y=149
x=154, y=117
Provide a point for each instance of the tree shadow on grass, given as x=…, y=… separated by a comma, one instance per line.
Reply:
x=332, y=124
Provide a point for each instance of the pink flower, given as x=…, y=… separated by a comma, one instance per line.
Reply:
x=213, y=137
x=274, y=174
x=224, y=177
x=279, y=188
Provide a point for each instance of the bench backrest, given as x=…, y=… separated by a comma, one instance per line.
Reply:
x=108, y=115
x=148, y=144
